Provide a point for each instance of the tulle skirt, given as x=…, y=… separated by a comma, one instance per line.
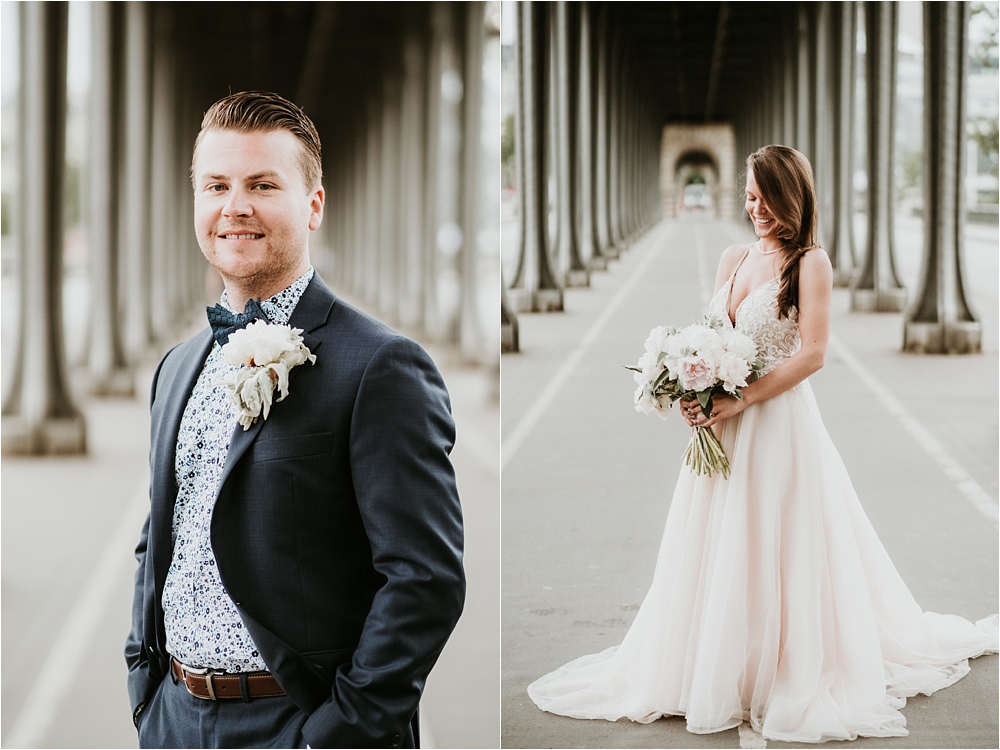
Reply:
x=773, y=602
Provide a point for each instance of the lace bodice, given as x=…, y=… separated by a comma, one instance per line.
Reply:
x=757, y=317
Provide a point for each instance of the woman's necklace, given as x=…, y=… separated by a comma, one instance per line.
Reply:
x=762, y=251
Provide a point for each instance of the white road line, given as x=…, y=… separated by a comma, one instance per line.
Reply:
x=63, y=661
x=519, y=434
x=980, y=499
x=750, y=738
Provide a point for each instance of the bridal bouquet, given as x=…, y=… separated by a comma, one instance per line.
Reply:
x=694, y=363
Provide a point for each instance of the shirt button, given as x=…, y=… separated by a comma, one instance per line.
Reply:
x=395, y=741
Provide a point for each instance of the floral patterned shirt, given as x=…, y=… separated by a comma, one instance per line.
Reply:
x=203, y=626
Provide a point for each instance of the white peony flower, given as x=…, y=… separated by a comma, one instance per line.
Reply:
x=741, y=345
x=261, y=343
x=657, y=340
x=647, y=403
x=733, y=372
x=696, y=374
x=265, y=354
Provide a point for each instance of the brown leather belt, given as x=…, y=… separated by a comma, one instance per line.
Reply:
x=212, y=685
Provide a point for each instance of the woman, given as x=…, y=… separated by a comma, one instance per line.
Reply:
x=773, y=600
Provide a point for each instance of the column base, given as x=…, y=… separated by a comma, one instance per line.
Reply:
x=508, y=338
x=842, y=277
x=597, y=263
x=53, y=436
x=540, y=300
x=577, y=278
x=878, y=300
x=118, y=383
x=943, y=338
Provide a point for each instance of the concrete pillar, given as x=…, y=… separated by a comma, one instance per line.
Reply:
x=107, y=364
x=824, y=101
x=615, y=108
x=373, y=209
x=39, y=413
x=534, y=287
x=940, y=320
x=509, y=340
x=877, y=288
x=135, y=189
x=602, y=176
x=441, y=34
x=359, y=250
x=165, y=316
x=413, y=165
x=590, y=250
x=843, y=48
x=572, y=271
x=388, y=244
x=470, y=325
x=805, y=133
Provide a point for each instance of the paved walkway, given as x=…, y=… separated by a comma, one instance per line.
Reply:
x=69, y=529
x=586, y=479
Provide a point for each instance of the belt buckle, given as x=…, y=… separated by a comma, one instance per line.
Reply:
x=205, y=672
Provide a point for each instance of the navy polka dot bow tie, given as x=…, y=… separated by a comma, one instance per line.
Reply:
x=225, y=323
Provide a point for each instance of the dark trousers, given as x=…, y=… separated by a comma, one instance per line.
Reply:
x=175, y=718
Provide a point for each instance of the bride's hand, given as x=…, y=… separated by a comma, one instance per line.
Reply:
x=723, y=407
x=691, y=411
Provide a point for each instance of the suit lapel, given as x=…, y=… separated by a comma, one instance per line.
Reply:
x=175, y=388
x=311, y=312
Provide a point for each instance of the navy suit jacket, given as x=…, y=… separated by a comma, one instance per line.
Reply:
x=337, y=528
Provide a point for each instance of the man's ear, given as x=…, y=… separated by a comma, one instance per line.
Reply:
x=316, y=208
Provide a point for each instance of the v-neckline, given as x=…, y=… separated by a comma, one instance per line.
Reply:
x=733, y=316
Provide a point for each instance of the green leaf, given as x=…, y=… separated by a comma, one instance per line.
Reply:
x=705, y=399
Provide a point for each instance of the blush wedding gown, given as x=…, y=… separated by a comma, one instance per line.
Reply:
x=773, y=601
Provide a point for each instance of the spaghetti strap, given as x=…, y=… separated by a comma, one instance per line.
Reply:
x=732, y=276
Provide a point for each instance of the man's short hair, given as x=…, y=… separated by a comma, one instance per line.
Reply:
x=261, y=111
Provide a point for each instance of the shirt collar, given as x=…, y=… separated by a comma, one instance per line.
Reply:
x=279, y=308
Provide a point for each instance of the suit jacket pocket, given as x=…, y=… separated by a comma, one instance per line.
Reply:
x=327, y=660
x=293, y=446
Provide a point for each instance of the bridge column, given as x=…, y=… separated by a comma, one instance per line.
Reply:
x=388, y=246
x=163, y=245
x=843, y=48
x=438, y=60
x=602, y=160
x=135, y=190
x=470, y=329
x=877, y=288
x=590, y=248
x=39, y=414
x=571, y=270
x=941, y=321
x=108, y=367
x=412, y=168
x=535, y=287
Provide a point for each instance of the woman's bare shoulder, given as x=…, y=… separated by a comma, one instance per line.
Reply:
x=727, y=263
x=816, y=260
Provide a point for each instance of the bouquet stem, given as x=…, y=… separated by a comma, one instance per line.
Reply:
x=705, y=454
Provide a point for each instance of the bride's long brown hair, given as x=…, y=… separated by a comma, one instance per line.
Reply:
x=785, y=181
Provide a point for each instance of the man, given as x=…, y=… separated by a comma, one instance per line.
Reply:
x=298, y=578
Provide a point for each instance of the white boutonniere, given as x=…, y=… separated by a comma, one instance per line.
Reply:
x=265, y=354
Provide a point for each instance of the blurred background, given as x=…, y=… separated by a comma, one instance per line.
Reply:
x=618, y=115
x=101, y=275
